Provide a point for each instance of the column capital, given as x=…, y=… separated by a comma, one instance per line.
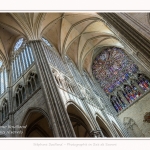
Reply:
x=95, y=133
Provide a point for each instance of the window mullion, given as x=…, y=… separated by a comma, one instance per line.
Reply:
x=23, y=61
x=29, y=55
x=26, y=56
x=16, y=66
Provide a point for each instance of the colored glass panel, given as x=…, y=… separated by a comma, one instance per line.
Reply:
x=112, y=67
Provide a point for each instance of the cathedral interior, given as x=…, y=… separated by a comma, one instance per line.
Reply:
x=75, y=74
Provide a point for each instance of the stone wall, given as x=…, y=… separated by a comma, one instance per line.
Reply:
x=135, y=115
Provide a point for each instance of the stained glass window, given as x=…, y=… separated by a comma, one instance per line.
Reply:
x=131, y=93
x=23, y=60
x=112, y=67
x=117, y=103
x=18, y=44
x=1, y=63
x=46, y=41
x=143, y=82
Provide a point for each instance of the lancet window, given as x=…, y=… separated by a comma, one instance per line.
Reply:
x=22, y=58
x=143, y=82
x=3, y=78
x=32, y=83
x=20, y=95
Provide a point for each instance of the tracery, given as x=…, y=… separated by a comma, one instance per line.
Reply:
x=22, y=58
x=112, y=67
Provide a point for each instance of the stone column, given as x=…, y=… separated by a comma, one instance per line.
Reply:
x=61, y=124
x=10, y=99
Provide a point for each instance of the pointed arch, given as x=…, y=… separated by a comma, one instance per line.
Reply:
x=80, y=121
x=36, y=123
x=104, y=126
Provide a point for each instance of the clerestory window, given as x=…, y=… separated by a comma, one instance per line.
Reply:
x=22, y=58
x=3, y=78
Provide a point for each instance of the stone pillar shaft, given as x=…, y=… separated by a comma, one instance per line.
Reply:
x=60, y=120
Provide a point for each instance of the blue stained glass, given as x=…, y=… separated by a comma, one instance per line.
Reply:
x=112, y=67
x=18, y=44
x=46, y=41
x=1, y=63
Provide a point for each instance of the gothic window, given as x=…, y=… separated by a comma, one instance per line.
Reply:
x=5, y=110
x=36, y=80
x=20, y=95
x=131, y=93
x=17, y=99
x=1, y=64
x=22, y=58
x=112, y=67
x=143, y=82
x=33, y=82
x=120, y=99
x=117, y=103
x=29, y=88
x=18, y=44
x=3, y=78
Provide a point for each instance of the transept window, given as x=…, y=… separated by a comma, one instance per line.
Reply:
x=112, y=67
x=117, y=73
x=143, y=82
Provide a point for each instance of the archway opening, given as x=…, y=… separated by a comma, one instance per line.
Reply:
x=79, y=122
x=104, y=128
x=118, y=131
x=37, y=126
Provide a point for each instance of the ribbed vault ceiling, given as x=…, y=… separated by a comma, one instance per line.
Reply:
x=78, y=35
